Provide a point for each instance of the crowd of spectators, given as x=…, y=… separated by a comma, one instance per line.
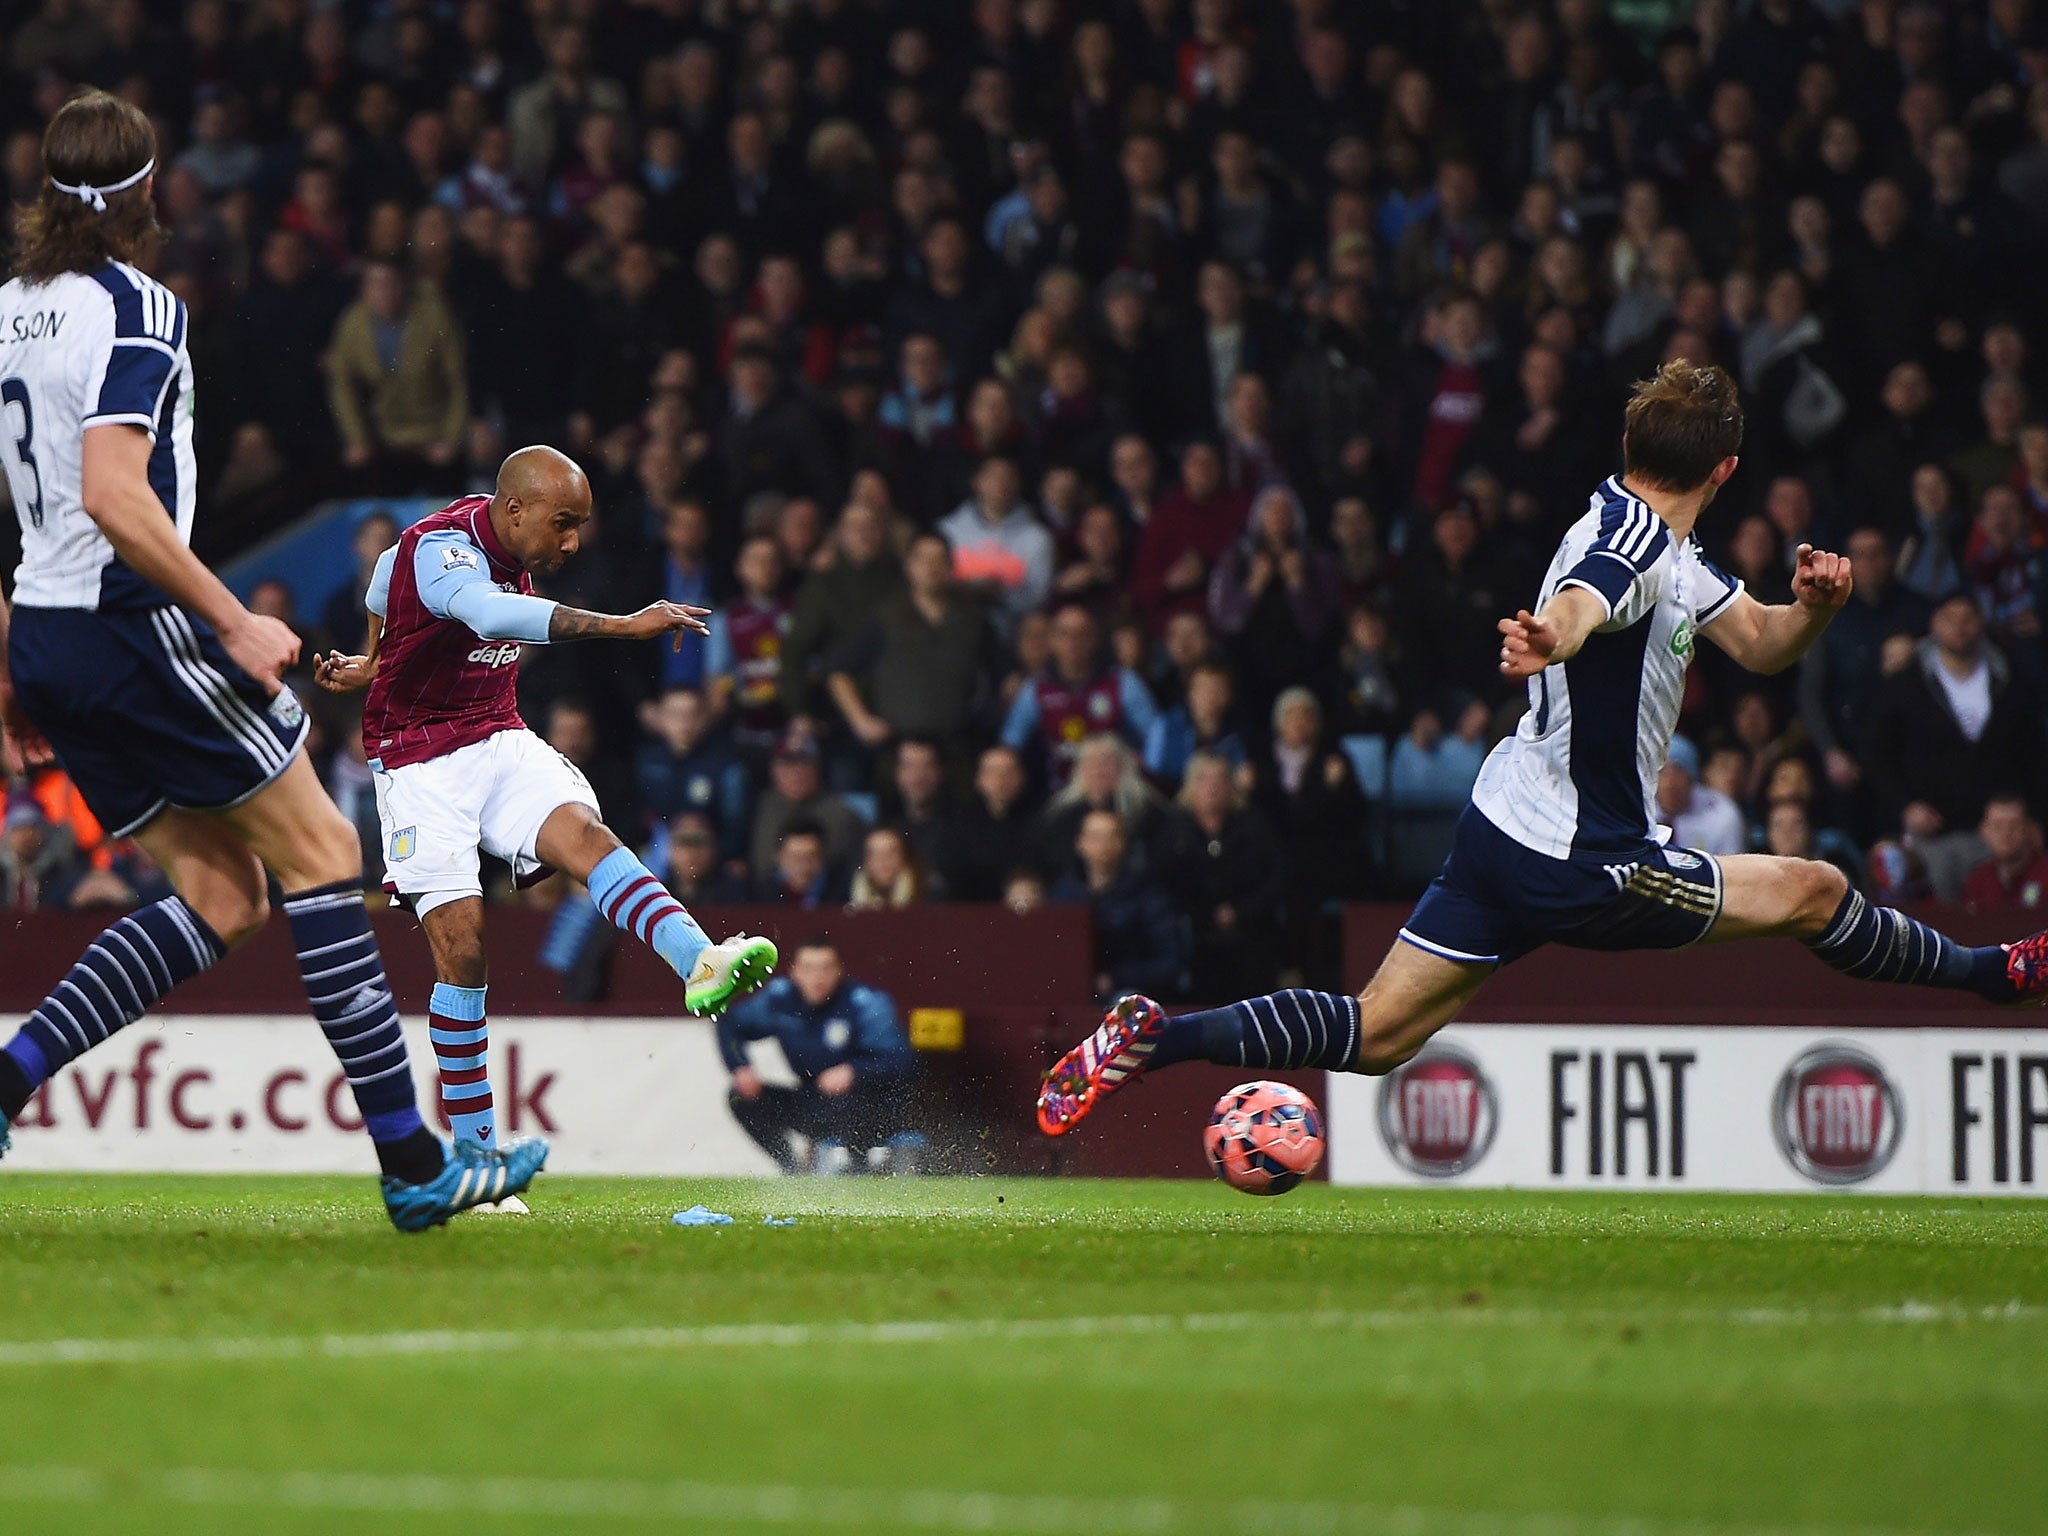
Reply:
x=1109, y=429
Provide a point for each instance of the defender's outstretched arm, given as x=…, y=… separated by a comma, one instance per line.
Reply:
x=1532, y=641
x=1769, y=637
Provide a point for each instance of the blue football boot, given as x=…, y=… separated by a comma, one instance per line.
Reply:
x=472, y=1176
x=5, y=1141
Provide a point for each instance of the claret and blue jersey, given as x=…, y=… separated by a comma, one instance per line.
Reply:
x=1561, y=841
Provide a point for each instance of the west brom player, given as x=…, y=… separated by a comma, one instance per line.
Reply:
x=456, y=769
x=1560, y=843
x=157, y=691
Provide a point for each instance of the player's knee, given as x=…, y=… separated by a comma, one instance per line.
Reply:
x=330, y=851
x=1821, y=889
x=234, y=914
x=1383, y=1047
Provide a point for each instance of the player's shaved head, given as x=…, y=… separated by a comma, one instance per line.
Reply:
x=544, y=476
x=541, y=507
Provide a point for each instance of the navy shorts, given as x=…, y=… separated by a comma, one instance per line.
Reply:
x=1496, y=899
x=145, y=711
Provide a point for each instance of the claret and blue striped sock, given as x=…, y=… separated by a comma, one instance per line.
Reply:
x=461, y=1037
x=629, y=896
x=1295, y=1028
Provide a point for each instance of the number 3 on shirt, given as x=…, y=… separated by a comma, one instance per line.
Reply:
x=14, y=392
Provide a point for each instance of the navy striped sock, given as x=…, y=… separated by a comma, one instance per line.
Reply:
x=1296, y=1028
x=1874, y=943
x=344, y=976
x=124, y=970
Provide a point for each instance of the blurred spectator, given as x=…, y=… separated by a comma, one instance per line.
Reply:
x=1447, y=390
x=397, y=384
x=1079, y=695
x=1191, y=528
x=1220, y=866
x=1371, y=699
x=38, y=861
x=1952, y=729
x=1841, y=681
x=1000, y=551
x=837, y=603
x=1432, y=769
x=1274, y=598
x=796, y=794
x=345, y=621
x=1306, y=791
x=686, y=857
x=1882, y=457
x=276, y=334
x=799, y=874
x=1106, y=778
x=1204, y=722
x=845, y=1044
x=743, y=656
x=2006, y=565
x=996, y=830
x=1789, y=833
x=771, y=439
x=542, y=115
x=922, y=810
x=924, y=661
x=1140, y=941
x=889, y=873
x=1448, y=601
x=686, y=768
x=685, y=578
x=1696, y=815
x=2015, y=869
x=1930, y=555
x=1994, y=455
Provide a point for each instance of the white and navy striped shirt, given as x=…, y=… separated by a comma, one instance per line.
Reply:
x=1580, y=773
x=83, y=350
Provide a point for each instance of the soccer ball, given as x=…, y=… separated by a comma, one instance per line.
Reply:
x=1264, y=1138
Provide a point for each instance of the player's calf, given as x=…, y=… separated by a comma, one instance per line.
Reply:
x=122, y=972
x=633, y=900
x=1874, y=943
x=1813, y=902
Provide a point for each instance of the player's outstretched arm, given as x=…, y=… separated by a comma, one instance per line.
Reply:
x=1532, y=641
x=1769, y=637
x=120, y=500
x=656, y=619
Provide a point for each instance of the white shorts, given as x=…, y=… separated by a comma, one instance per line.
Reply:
x=492, y=795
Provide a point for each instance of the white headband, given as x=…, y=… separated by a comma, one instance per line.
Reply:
x=96, y=197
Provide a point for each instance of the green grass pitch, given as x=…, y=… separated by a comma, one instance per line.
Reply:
x=264, y=1355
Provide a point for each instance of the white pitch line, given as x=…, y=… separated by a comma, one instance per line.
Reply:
x=347, y=1346
x=787, y=1505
